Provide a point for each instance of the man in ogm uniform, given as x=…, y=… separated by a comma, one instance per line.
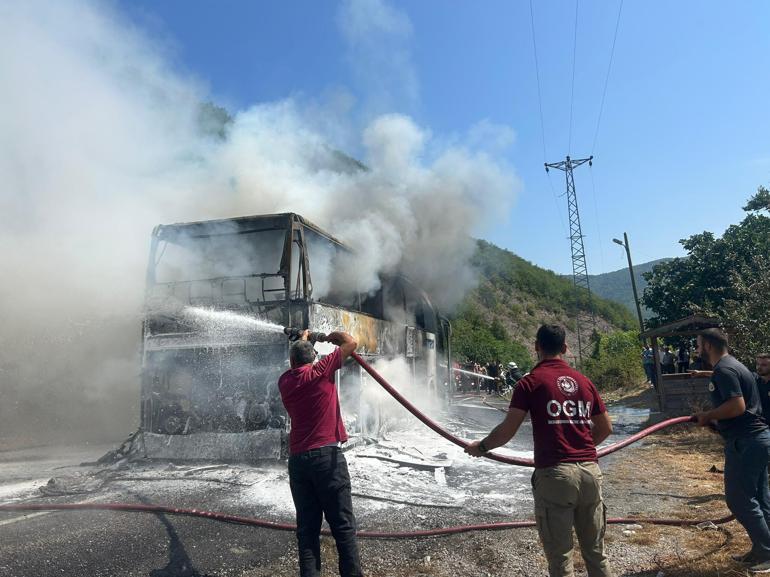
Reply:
x=568, y=420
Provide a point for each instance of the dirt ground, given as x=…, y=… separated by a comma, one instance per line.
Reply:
x=674, y=474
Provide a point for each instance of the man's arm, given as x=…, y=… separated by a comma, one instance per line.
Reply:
x=500, y=435
x=602, y=427
x=732, y=407
x=695, y=373
x=344, y=341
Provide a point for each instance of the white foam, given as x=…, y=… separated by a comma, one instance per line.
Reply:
x=15, y=491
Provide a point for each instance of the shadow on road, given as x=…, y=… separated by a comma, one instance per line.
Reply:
x=179, y=562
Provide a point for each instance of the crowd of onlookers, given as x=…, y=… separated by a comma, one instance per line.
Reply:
x=672, y=361
x=492, y=378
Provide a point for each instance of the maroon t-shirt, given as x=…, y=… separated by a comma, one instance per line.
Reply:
x=310, y=397
x=561, y=402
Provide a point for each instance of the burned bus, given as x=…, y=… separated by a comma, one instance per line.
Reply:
x=210, y=367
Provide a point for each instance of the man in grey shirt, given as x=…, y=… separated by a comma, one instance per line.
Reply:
x=737, y=413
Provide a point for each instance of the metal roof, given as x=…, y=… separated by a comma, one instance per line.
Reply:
x=686, y=326
x=239, y=225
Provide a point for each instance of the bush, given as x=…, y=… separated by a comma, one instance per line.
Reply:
x=473, y=339
x=616, y=361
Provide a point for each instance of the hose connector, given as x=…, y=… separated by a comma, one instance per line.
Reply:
x=294, y=334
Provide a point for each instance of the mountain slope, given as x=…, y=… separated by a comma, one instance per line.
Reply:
x=616, y=285
x=499, y=318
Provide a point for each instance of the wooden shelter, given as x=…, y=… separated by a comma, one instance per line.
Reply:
x=680, y=393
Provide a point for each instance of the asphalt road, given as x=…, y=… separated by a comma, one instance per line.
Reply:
x=104, y=543
x=110, y=544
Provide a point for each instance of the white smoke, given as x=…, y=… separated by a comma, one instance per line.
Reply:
x=100, y=140
x=378, y=39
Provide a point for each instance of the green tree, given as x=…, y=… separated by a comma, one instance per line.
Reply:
x=705, y=279
x=616, y=360
x=727, y=277
x=747, y=311
x=760, y=201
x=475, y=339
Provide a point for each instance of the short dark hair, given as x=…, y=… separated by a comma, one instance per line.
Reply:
x=763, y=355
x=550, y=339
x=301, y=353
x=715, y=337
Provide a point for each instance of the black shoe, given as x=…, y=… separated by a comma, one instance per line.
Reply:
x=747, y=558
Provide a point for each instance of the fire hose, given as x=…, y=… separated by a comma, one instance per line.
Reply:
x=433, y=425
x=442, y=531
x=265, y=524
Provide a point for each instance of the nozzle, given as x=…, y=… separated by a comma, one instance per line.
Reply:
x=294, y=334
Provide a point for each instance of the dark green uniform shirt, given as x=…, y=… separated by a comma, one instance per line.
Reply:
x=732, y=379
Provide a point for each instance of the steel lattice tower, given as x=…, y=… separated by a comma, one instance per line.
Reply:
x=585, y=320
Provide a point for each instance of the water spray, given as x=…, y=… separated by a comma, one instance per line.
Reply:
x=223, y=321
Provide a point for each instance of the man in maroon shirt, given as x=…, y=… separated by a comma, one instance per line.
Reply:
x=318, y=472
x=568, y=420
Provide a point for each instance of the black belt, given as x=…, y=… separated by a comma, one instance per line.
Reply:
x=315, y=452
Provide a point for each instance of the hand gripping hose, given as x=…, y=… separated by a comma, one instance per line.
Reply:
x=495, y=457
x=266, y=524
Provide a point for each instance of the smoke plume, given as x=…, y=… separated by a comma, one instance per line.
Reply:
x=101, y=139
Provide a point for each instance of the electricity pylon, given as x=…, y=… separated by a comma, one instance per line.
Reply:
x=584, y=319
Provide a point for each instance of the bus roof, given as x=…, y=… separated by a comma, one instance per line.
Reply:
x=238, y=225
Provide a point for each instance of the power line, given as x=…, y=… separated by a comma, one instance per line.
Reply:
x=542, y=122
x=537, y=74
x=556, y=204
x=572, y=93
x=607, y=78
x=596, y=216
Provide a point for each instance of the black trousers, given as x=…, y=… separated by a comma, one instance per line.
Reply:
x=320, y=486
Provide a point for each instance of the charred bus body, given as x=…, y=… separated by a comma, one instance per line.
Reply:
x=209, y=378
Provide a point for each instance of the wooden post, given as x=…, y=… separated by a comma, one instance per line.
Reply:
x=658, y=375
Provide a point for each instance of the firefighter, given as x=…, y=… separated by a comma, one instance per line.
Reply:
x=318, y=472
x=513, y=375
x=568, y=420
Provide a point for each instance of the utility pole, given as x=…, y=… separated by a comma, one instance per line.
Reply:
x=633, y=279
x=585, y=321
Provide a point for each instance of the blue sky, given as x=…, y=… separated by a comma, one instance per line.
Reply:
x=683, y=140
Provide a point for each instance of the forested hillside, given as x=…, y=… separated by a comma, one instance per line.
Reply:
x=499, y=318
x=616, y=285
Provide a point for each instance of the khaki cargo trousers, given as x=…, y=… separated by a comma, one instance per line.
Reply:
x=569, y=495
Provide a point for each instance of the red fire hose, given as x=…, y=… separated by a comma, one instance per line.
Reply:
x=495, y=457
x=226, y=518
